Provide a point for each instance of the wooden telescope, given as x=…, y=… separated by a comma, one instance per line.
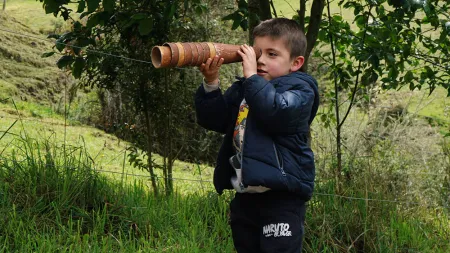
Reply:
x=181, y=54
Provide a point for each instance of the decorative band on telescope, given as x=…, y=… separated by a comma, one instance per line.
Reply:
x=212, y=50
x=180, y=55
x=200, y=54
x=174, y=54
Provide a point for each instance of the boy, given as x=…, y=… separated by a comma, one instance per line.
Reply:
x=265, y=156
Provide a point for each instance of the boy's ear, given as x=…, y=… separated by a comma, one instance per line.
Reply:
x=297, y=63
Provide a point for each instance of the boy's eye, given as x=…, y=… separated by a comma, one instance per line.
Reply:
x=272, y=54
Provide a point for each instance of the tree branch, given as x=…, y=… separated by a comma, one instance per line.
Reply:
x=313, y=29
x=273, y=8
x=358, y=71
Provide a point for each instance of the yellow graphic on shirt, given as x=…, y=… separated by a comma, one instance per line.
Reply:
x=238, y=134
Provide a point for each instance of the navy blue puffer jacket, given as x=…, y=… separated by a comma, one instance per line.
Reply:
x=275, y=152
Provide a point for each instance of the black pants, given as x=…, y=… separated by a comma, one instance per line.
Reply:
x=267, y=222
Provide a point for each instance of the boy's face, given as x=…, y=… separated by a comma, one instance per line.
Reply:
x=275, y=60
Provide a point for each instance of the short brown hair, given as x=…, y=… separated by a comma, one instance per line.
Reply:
x=283, y=28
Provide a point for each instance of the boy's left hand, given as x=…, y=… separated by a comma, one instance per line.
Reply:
x=249, y=63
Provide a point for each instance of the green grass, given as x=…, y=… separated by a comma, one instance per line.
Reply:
x=39, y=22
x=288, y=8
x=107, y=151
x=54, y=200
x=434, y=106
x=25, y=75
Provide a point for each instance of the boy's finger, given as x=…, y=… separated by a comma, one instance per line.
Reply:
x=219, y=64
x=208, y=62
x=216, y=59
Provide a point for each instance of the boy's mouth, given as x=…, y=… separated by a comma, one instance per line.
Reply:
x=261, y=72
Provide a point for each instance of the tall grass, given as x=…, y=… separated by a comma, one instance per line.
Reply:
x=52, y=202
x=53, y=199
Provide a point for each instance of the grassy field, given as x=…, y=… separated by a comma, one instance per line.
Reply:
x=55, y=195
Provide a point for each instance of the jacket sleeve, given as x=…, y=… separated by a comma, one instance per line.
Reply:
x=212, y=109
x=287, y=112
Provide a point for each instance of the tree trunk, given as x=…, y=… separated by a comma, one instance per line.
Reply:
x=148, y=123
x=168, y=152
x=258, y=10
x=313, y=28
x=338, y=168
x=4, y=5
x=301, y=14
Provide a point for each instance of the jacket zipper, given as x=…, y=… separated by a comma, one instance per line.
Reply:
x=241, y=184
x=280, y=164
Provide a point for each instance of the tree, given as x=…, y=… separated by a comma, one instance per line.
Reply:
x=258, y=10
x=248, y=15
x=128, y=28
x=395, y=43
x=4, y=5
x=409, y=54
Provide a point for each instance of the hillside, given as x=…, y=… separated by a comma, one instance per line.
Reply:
x=25, y=76
x=32, y=92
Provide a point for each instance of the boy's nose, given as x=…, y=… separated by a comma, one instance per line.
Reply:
x=260, y=60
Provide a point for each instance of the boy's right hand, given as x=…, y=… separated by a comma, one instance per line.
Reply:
x=210, y=70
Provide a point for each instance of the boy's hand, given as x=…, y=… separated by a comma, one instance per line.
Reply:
x=249, y=63
x=210, y=70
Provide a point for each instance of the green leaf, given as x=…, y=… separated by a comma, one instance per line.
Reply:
x=83, y=42
x=230, y=16
x=373, y=77
x=60, y=45
x=242, y=4
x=375, y=61
x=337, y=18
x=393, y=73
x=244, y=24
x=323, y=35
x=77, y=26
x=76, y=50
x=92, y=5
x=65, y=14
x=235, y=25
x=53, y=36
x=78, y=67
x=427, y=9
x=64, y=61
x=429, y=71
x=198, y=10
x=84, y=14
x=93, y=20
x=390, y=58
x=51, y=7
x=108, y=5
x=139, y=16
x=127, y=23
x=409, y=76
x=145, y=26
x=48, y=54
x=361, y=20
x=171, y=12
x=81, y=6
